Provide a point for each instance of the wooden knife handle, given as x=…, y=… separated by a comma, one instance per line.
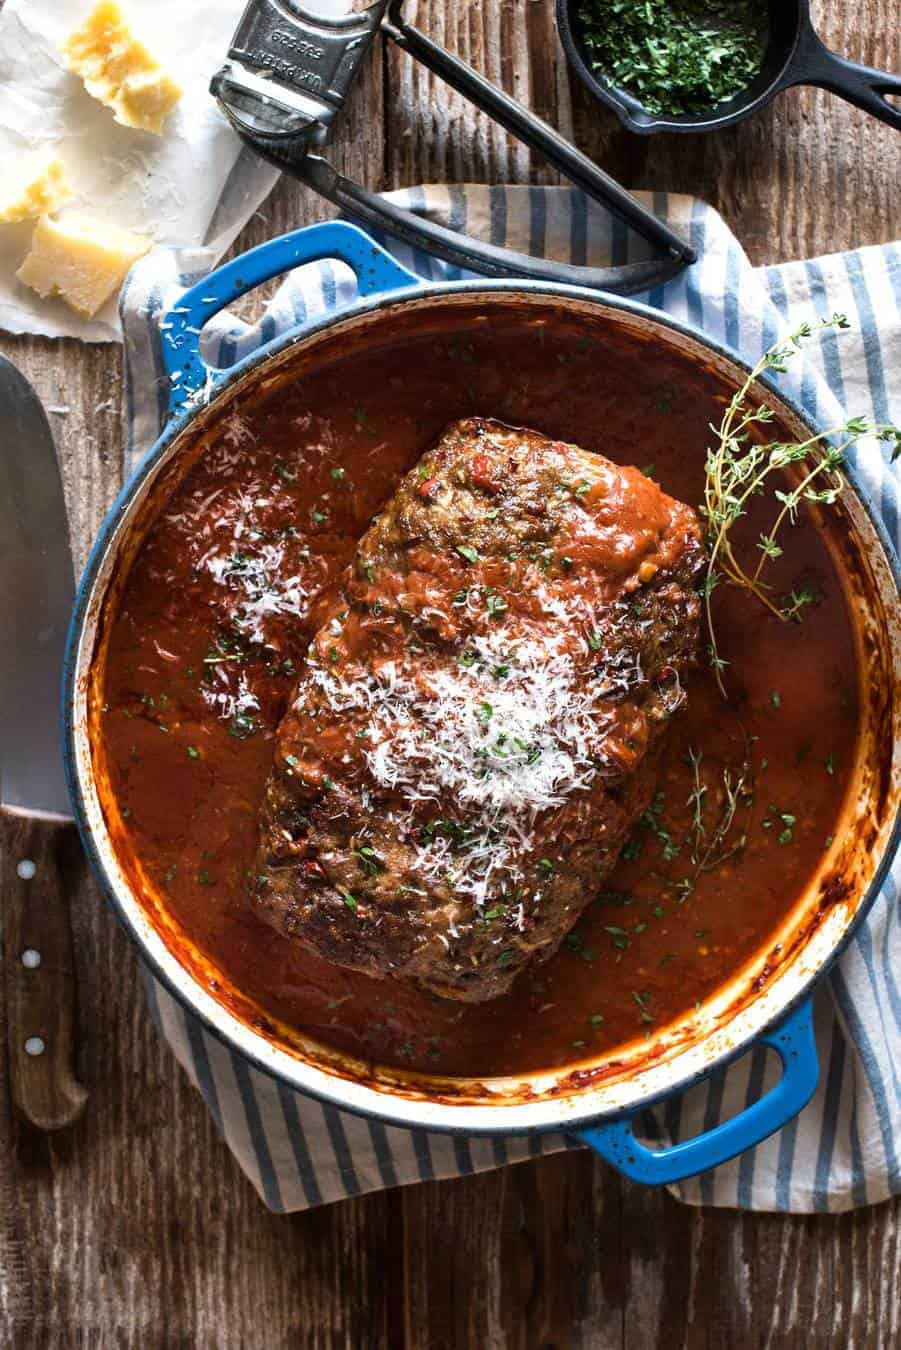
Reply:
x=39, y=967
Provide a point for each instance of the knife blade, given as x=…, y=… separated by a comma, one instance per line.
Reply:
x=39, y=842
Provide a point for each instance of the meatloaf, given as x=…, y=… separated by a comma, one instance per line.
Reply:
x=479, y=720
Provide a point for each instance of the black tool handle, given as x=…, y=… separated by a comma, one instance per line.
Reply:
x=813, y=63
x=461, y=249
x=535, y=133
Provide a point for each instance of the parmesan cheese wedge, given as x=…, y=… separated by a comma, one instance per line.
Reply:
x=119, y=71
x=81, y=260
x=35, y=187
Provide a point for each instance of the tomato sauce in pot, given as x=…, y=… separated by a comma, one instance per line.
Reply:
x=227, y=590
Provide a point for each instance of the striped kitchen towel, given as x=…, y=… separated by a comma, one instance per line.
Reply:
x=842, y=1151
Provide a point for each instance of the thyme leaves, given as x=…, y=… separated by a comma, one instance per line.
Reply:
x=677, y=56
x=741, y=465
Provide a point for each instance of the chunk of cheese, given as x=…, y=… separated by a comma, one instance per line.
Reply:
x=119, y=71
x=34, y=187
x=81, y=260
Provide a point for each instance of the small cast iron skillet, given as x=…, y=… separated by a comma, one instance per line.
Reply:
x=794, y=55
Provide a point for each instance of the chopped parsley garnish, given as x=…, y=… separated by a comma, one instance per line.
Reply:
x=575, y=944
x=368, y=860
x=193, y=752
x=349, y=899
x=632, y=848
x=616, y=898
x=241, y=726
x=784, y=818
x=619, y=936
x=653, y=823
x=470, y=554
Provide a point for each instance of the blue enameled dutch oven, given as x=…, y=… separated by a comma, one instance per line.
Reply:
x=767, y=1001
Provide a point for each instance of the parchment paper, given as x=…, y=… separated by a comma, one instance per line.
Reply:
x=166, y=186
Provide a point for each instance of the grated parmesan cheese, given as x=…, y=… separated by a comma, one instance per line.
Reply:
x=255, y=576
x=505, y=748
x=228, y=698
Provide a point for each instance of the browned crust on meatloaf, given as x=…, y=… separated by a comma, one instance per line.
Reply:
x=477, y=725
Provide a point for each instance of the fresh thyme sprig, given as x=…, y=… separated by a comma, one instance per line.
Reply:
x=708, y=851
x=738, y=468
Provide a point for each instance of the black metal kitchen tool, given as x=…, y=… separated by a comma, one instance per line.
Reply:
x=794, y=55
x=285, y=82
x=38, y=841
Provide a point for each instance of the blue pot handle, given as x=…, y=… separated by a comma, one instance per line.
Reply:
x=793, y=1041
x=376, y=271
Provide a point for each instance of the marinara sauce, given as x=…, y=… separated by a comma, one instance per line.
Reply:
x=216, y=617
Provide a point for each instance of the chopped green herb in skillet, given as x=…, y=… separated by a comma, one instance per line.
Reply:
x=676, y=56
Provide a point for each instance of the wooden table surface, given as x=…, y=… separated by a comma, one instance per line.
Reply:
x=136, y=1228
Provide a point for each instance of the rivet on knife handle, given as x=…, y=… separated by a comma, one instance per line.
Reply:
x=39, y=968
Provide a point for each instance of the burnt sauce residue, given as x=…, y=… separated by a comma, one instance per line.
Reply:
x=234, y=578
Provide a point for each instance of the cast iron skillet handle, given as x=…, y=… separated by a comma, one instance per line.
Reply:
x=462, y=250
x=189, y=375
x=793, y=1041
x=813, y=63
x=39, y=973
x=534, y=132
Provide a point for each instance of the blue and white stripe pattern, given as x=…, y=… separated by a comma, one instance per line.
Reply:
x=842, y=1151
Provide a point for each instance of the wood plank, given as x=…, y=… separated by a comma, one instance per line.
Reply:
x=808, y=175
x=582, y=1261
x=580, y=1258
x=136, y=1229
